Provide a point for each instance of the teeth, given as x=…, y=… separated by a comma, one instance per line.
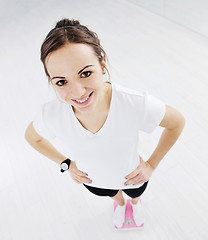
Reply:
x=82, y=100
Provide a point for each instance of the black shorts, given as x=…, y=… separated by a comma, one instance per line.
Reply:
x=133, y=192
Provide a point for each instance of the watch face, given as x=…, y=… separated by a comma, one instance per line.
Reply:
x=64, y=166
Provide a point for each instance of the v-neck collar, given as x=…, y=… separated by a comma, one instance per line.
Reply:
x=106, y=123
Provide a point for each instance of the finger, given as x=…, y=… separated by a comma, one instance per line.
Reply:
x=136, y=178
x=133, y=174
x=83, y=179
x=80, y=173
x=86, y=180
x=141, y=180
x=77, y=181
x=137, y=170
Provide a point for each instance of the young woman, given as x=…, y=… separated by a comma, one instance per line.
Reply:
x=98, y=120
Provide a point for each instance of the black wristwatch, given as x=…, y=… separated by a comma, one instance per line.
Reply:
x=65, y=165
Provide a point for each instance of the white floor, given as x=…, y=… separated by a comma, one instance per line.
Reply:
x=146, y=52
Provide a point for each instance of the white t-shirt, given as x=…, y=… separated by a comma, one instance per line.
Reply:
x=111, y=153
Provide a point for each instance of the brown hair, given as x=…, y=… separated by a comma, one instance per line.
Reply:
x=70, y=31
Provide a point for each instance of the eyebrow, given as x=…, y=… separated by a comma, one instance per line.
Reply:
x=77, y=73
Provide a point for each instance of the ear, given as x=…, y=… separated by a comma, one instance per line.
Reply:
x=103, y=66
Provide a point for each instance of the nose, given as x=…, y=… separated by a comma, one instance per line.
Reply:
x=77, y=90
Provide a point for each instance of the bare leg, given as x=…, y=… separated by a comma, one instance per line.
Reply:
x=119, y=198
x=135, y=200
x=119, y=212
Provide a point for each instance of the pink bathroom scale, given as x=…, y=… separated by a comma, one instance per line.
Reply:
x=129, y=223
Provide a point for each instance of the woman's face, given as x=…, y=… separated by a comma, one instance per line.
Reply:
x=77, y=74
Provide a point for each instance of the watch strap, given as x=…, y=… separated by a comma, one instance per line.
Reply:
x=67, y=161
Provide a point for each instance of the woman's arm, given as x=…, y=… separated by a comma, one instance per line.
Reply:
x=42, y=145
x=173, y=122
x=46, y=148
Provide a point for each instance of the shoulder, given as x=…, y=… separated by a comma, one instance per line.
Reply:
x=129, y=96
x=52, y=105
x=131, y=101
x=52, y=109
x=128, y=91
x=172, y=119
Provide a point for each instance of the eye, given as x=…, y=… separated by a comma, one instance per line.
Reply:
x=86, y=74
x=61, y=83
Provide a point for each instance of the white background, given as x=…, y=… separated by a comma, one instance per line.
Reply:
x=192, y=14
x=146, y=52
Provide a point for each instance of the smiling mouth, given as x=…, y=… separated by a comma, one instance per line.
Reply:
x=84, y=101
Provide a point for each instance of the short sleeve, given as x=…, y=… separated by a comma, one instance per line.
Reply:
x=41, y=124
x=154, y=111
